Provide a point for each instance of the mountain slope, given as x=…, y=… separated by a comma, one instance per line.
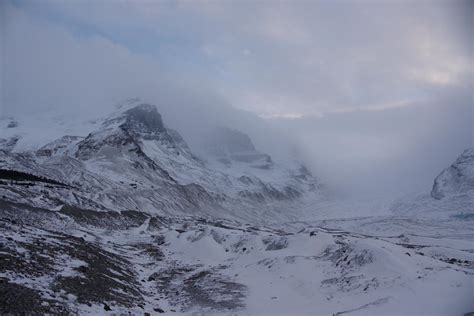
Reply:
x=457, y=179
x=131, y=160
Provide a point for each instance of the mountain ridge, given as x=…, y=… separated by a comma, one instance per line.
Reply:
x=133, y=150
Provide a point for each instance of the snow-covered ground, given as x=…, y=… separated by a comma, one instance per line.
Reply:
x=195, y=266
x=120, y=217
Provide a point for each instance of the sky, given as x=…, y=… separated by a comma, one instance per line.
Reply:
x=365, y=92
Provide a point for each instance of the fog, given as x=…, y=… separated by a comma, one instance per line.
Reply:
x=375, y=98
x=387, y=153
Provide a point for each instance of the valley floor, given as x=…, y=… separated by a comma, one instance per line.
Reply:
x=86, y=263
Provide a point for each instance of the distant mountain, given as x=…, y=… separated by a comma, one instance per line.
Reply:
x=457, y=179
x=229, y=146
x=451, y=199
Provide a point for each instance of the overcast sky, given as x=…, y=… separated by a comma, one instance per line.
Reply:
x=384, y=81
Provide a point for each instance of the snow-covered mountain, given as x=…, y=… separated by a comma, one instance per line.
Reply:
x=131, y=160
x=458, y=179
x=123, y=218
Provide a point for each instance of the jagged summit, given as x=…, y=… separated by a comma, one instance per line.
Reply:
x=138, y=116
x=134, y=126
x=145, y=119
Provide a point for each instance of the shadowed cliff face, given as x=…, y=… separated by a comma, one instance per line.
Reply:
x=144, y=119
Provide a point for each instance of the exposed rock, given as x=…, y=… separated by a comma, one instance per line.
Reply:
x=7, y=144
x=65, y=145
x=12, y=124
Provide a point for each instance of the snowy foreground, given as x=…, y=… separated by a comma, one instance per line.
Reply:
x=125, y=219
x=137, y=263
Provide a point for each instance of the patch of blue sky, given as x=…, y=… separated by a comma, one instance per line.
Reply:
x=168, y=44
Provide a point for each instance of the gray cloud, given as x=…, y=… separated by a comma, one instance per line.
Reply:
x=383, y=90
x=298, y=58
x=390, y=152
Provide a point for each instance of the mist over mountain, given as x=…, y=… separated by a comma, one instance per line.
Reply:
x=225, y=158
x=420, y=124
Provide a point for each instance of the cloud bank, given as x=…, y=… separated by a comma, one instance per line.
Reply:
x=373, y=95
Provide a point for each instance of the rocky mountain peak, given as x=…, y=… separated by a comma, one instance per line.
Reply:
x=136, y=127
x=144, y=118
